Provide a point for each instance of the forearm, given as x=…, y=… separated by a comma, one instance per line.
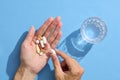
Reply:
x=24, y=74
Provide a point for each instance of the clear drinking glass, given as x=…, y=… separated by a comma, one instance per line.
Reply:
x=78, y=43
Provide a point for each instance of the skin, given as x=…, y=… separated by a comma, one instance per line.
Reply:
x=31, y=62
x=69, y=69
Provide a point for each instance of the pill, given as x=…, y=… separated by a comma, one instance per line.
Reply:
x=44, y=40
x=37, y=41
x=41, y=53
x=43, y=50
x=37, y=49
x=53, y=51
x=39, y=37
x=42, y=43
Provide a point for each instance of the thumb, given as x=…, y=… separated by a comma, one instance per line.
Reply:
x=56, y=63
x=30, y=34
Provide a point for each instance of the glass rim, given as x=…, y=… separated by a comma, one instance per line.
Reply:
x=98, y=23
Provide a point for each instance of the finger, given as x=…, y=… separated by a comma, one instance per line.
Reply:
x=64, y=66
x=72, y=65
x=55, y=32
x=51, y=27
x=30, y=34
x=44, y=27
x=56, y=64
x=62, y=54
x=63, y=63
x=56, y=40
x=69, y=61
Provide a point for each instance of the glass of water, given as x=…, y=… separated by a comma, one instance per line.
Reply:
x=93, y=30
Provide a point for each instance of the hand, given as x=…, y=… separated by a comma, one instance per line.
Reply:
x=28, y=50
x=30, y=60
x=69, y=69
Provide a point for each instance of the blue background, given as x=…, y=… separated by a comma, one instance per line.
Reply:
x=16, y=17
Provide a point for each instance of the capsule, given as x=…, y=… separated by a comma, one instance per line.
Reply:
x=44, y=40
x=37, y=49
x=41, y=53
x=39, y=37
x=37, y=41
x=42, y=43
x=53, y=51
x=43, y=50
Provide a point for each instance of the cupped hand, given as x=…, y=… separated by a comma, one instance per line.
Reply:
x=51, y=29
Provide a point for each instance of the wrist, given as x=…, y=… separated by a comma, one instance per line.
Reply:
x=24, y=73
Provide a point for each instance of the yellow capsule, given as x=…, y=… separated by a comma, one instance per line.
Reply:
x=37, y=49
x=39, y=37
x=43, y=50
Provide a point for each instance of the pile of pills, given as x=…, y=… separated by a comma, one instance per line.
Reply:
x=40, y=44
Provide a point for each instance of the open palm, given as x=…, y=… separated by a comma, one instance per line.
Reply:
x=51, y=30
